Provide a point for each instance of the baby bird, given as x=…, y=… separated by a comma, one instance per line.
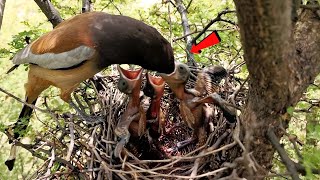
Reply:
x=155, y=89
x=133, y=121
x=192, y=101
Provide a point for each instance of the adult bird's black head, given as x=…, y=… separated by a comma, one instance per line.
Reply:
x=124, y=40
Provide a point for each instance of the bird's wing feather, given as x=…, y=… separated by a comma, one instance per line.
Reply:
x=67, y=45
x=52, y=60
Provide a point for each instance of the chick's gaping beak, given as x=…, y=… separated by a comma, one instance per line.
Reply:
x=180, y=74
x=130, y=80
x=155, y=89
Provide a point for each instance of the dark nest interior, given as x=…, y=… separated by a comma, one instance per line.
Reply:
x=79, y=148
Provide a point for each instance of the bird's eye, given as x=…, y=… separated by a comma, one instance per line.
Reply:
x=123, y=85
x=183, y=69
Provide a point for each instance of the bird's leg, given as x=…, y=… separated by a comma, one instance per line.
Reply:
x=123, y=132
x=12, y=158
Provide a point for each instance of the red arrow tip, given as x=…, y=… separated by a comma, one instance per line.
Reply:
x=210, y=40
x=194, y=49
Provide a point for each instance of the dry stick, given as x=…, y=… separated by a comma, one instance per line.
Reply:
x=110, y=130
x=178, y=159
x=167, y=175
x=52, y=158
x=71, y=146
x=234, y=58
x=293, y=140
x=310, y=6
x=29, y=148
x=290, y=165
x=233, y=96
x=237, y=66
x=24, y=102
x=197, y=161
x=246, y=155
x=81, y=107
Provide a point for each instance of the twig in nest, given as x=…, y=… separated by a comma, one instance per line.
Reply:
x=52, y=158
x=71, y=146
x=197, y=161
x=233, y=96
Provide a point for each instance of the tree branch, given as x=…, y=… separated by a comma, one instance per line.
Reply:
x=189, y=4
x=2, y=6
x=282, y=58
x=218, y=18
x=186, y=30
x=51, y=13
x=290, y=165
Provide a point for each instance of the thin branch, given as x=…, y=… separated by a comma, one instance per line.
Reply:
x=51, y=13
x=218, y=18
x=182, y=37
x=2, y=6
x=24, y=102
x=290, y=165
x=186, y=30
x=189, y=4
x=71, y=146
x=310, y=6
x=116, y=7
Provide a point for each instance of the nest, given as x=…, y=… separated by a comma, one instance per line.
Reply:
x=84, y=149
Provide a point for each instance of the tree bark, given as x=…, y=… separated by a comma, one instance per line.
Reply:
x=186, y=30
x=51, y=13
x=282, y=59
x=2, y=6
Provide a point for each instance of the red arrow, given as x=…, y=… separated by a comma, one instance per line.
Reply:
x=210, y=40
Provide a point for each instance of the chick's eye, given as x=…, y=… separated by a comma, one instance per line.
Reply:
x=182, y=69
x=122, y=85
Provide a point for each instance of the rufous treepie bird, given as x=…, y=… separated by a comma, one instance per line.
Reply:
x=133, y=120
x=82, y=46
x=191, y=100
x=155, y=89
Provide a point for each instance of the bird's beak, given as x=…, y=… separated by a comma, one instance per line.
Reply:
x=130, y=75
x=178, y=79
x=130, y=80
x=157, y=84
x=180, y=74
